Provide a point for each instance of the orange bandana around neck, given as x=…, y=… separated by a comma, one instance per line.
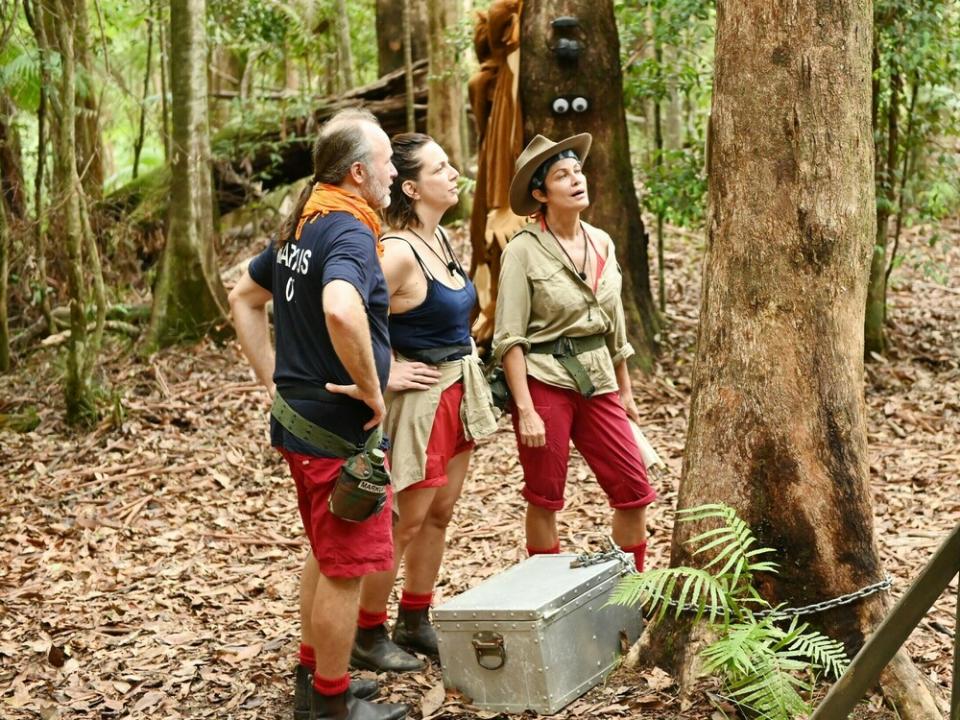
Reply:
x=329, y=198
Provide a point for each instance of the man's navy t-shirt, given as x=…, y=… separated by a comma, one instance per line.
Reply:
x=336, y=246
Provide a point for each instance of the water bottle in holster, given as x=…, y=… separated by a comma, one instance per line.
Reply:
x=361, y=489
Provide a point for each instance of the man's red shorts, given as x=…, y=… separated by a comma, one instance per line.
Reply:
x=343, y=549
x=601, y=432
x=447, y=439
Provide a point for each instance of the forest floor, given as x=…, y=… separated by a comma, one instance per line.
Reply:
x=150, y=567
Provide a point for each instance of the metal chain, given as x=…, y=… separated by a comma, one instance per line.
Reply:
x=863, y=592
x=587, y=559
x=615, y=553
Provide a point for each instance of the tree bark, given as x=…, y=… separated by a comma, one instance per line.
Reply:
x=777, y=427
x=597, y=77
x=390, y=33
x=188, y=299
x=445, y=85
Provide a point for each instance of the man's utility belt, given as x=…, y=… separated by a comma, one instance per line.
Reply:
x=437, y=355
x=566, y=350
x=361, y=489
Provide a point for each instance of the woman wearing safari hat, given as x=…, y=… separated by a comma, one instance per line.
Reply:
x=561, y=338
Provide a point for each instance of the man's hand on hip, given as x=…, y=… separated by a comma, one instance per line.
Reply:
x=373, y=400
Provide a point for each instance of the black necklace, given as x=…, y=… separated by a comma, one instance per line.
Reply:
x=581, y=273
x=451, y=263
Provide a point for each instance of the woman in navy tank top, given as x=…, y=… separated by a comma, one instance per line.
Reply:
x=431, y=300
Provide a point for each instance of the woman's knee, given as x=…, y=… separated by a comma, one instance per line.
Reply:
x=407, y=528
x=440, y=515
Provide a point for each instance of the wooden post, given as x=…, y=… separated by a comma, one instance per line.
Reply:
x=893, y=633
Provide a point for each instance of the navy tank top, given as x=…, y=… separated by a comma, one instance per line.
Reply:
x=441, y=320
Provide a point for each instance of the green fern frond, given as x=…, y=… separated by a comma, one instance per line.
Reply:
x=821, y=650
x=704, y=512
x=733, y=541
x=773, y=689
x=654, y=589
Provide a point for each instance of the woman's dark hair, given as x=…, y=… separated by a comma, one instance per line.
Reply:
x=342, y=141
x=400, y=213
x=538, y=181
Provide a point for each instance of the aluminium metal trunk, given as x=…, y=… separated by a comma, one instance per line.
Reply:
x=536, y=636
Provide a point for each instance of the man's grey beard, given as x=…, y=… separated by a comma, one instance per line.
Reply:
x=375, y=193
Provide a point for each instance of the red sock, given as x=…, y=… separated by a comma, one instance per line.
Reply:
x=415, y=601
x=639, y=553
x=547, y=551
x=307, y=657
x=368, y=620
x=331, y=686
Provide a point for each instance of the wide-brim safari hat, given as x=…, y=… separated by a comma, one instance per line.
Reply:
x=534, y=154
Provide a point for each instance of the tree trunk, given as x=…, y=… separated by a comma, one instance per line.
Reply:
x=188, y=299
x=11, y=161
x=80, y=405
x=909, y=145
x=876, y=313
x=344, y=48
x=777, y=427
x=226, y=71
x=142, y=125
x=445, y=85
x=164, y=48
x=390, y=33
x=34, y=11
x=4, y=270
x=90, y=159
x=408, y=65
x=597, y=77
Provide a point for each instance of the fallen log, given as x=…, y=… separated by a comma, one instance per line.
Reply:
x=256, y=156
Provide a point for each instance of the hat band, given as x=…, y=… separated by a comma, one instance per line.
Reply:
x=539, y=178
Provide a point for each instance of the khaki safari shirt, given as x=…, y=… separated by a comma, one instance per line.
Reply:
x=541, y=298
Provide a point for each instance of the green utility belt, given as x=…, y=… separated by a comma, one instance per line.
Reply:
x=565, y=350
x=311, y=433
x=361, y=487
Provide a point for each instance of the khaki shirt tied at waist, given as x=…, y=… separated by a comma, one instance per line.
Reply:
x=542, y=298
x=410, y=416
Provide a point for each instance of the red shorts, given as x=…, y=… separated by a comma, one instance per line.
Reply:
x=601, y=432
x=447, y=439
x=343, y=549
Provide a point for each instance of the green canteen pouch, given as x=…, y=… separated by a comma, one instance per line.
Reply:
x=361, y=489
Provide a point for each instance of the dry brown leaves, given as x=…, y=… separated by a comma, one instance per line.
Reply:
x=151, y=568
